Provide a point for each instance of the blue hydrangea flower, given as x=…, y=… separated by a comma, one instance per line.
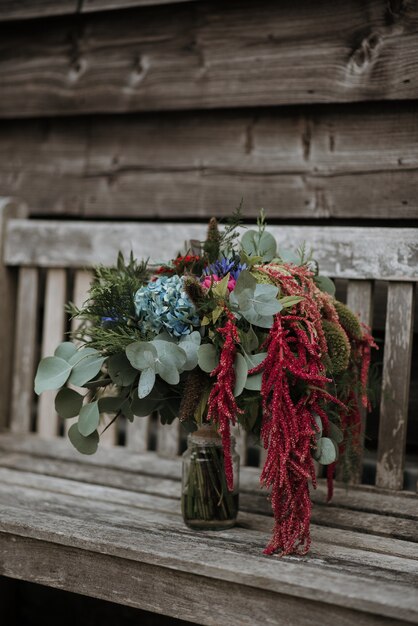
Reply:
x=222, y=267
x=164, y=305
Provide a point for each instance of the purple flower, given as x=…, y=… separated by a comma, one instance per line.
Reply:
x=222, y=267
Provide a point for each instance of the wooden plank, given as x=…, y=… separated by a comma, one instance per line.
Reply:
x=343, y=252
x=25, y=351
x=205, y=55
x=53, y=334
x=313, y=164
x=58, y=498
x=360, y=300
x=137, y=434
x=8, y=208
x=395, y=386
x=29, y=9
x=29, y=452
x=161, y=509
x=168, y=439
x=82, y=279
x=156, y=588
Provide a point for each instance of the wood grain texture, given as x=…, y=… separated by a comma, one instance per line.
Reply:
x=395, y=386
x=354, y=253
x=11, y=10
x=161, y=590
x=360, y=301
x=8, y=278
x=137, y=434
x=52, y=335
x=206, y=55
x=351, y=162
x=25, y=351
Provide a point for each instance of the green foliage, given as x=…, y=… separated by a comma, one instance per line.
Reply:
x=85, y=445
x=259, y=243
x=89, y=418
x=338, y=347
x=52, y=373
x=325, y=284
x=207, y=357
x=241, y=373
x=68, y=403
x=348, y=320
x=108, y=317
x=86, y=364
x=211, y=246
x=257, y=303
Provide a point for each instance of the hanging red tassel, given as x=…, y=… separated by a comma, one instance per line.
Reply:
x=222, y=406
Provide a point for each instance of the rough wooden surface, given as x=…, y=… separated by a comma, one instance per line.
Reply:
x=25, y=351
x=8, y=208
x=360, y=300
x=355, y=253
x=52, y=335
x=11, y=10
x=205, y=55
x=395, y=386
x=309, y=163
x=351, y=576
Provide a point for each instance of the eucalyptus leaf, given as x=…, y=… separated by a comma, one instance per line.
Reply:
x=120, y=370
x=144, y=406
x=220, y=288
x=89, y=418
x=318, y=433
x=335, y=433
x=249, y=340
x=325, y=284
x=288, y=256
x=241, y=373
x=68, y=403
x=110, y=404
x=87, y=363
x=65, y=350
x=141, y=354
x=327, y=452
x=190, y=344
x=52, y=373
x=126, y=410
x=146, y=382
x=245, y=281
x=264, y=244
x=254, y=381
x=85, y=445
x=207, y=357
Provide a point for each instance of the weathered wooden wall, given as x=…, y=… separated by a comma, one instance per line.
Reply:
x=144, y=108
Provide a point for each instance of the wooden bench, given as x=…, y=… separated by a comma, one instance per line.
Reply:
x=109, y=526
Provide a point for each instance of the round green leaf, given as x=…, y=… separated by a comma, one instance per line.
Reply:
x=335, y=433
x=207, y=357
x=85, y=445
x=68, y=403
x=110, y=404
x=325, y=284
x=144, y=406
x=141, y=355
x=254, y=381
x=65, y=350
x=327, y=452
x=86, y=364
x=89, y=418
x=146, y=382
x=190, y=344
x=241, y=373
x=52, y=373
x=120, y=370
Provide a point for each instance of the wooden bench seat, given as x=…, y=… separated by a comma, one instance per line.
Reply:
x=109, y=526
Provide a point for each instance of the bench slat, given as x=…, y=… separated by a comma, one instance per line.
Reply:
x=353, y=253
x=8, y=209
x=168, y=439
x=137, y=434
x=52, y=335
x=25, y=352
x=395, y=386
x=360, y=300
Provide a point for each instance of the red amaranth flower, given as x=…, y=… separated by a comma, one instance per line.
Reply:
x=289, y=426
x=222, y=406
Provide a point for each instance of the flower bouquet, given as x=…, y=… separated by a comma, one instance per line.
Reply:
x=234, y=332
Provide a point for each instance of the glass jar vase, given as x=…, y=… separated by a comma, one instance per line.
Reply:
x=206, y=502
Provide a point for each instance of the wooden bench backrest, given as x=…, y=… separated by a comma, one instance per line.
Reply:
x=61, y=249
